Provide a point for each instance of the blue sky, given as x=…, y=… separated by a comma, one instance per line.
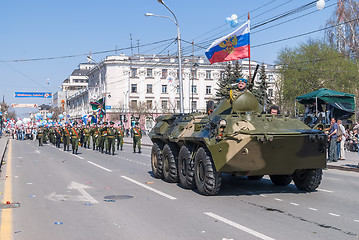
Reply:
x=43, y=29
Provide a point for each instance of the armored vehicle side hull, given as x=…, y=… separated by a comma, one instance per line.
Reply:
x=194, y=149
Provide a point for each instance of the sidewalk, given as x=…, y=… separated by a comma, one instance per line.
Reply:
x=349, y=164
x=3, y=146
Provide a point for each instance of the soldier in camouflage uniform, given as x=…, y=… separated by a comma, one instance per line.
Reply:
x=87, y=136
x=119, y=137
x=40, y=135
x=137, y=135
x=75, y=138
x=95, y=133
x=58, y=136
x=111, y=134
x=66, y=137
x=103, y=137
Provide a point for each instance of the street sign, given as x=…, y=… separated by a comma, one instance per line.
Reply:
x=108, y=107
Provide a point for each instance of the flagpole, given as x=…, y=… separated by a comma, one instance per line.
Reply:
x=249, y=53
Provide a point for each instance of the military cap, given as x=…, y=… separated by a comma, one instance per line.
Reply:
x=241, y=80
x=105, y=123
x=112, y=123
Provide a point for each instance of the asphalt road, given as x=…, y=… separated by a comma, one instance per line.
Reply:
x=96, y=196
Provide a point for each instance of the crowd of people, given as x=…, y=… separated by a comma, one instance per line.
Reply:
x=103, y=137
x=340, y=140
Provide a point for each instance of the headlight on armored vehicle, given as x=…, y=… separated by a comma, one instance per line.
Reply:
x=222, y=122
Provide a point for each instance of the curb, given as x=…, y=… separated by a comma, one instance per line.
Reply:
x=3, y=155
x=348, y=169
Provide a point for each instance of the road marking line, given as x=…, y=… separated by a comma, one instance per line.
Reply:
x=278, y=199
x=323, y=190
x=238, y=226
x=6, y=214
x=356, y=220
x=333, y=214
x=108, y=170
x=149, y=188
x=262, y=195
x=314, y=209
x=78, y=156
x=295, y=204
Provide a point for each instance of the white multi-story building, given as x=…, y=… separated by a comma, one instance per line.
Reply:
x=142, y=87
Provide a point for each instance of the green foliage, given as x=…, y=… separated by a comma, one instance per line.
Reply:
x=230, y=77
x=311, y=66
x=261, y=91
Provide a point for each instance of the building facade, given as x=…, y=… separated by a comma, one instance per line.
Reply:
x=141, y=87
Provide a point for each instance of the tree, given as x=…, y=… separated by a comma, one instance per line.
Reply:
x=343, y=33
x=311, y=66
x=262, y=95
x=230, y=78
x=4, y=108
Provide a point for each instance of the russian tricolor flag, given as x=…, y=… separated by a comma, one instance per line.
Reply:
x=231, y=47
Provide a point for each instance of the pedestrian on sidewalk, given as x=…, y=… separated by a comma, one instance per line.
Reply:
x=332, y=138
x=341, y=140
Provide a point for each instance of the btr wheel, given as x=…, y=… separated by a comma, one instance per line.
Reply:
x=259, y=177
x=307, y=179
x=281, y=180
x=208, y=180
x=170, y=172
x=186, y=168
x=156, y=161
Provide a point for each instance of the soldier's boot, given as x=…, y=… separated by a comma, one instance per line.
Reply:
x=139, y=151
x=118, y=148
x=134, y=150
x=121, y=148
x=76, y=151
x=73, y=151
x=113, y=152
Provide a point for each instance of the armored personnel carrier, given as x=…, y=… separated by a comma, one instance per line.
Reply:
x=195, y=149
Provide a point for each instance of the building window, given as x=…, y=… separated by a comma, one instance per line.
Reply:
x=164, y=105
x=194, y=105
x=222, y=74
x=133, y=88
x=178, y=104
x=208, y=74
x=194, y=89
x=149, y=72
x=149, y=88
x=133, y=72
x=194, y=73
x=164, y=88
x=177, y=89
x=133, y=104
x=270, y=92
x=208, y=89
x=164, y=73
x=149, y=104
x=270, y=78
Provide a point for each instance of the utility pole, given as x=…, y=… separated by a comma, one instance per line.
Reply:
x=131, y=44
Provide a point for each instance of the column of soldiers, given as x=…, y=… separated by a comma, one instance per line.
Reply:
x=103, y=137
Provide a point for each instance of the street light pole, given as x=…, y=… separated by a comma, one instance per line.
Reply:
x=180, y=81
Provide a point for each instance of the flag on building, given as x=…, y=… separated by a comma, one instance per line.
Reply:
x=233, y=46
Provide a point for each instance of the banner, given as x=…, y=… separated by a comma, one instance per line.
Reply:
x=33, y=94
x=23, y=105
